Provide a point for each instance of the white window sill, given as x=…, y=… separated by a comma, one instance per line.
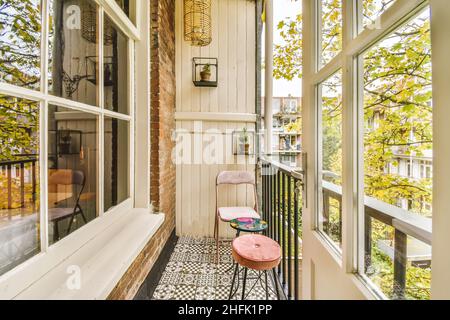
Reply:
x=101, y=260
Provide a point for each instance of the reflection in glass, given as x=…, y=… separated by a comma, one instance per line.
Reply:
x=398, y=158
x=73, y=44
x=330, y=30
x=116, y=177
x=330, y=218
x=115, y=69
x=72, y=170
x=372, y=10
x=19, y=181
x=20, y=43
x=125, y=5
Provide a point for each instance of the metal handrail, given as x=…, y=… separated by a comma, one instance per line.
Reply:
x=410, y=223
x=297, y=173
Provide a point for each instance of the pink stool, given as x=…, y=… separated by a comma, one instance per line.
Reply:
x=256, y=252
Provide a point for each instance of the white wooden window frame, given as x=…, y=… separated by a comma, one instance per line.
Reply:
x=356, y=40
x=57, y=252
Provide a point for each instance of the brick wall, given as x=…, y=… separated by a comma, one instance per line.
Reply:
x=162, y=124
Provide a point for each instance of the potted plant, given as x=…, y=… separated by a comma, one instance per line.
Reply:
x=205, y=74
x=245, y=142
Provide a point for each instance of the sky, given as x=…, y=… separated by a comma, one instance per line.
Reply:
x=282, y=10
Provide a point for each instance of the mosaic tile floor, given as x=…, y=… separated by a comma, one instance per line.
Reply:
x=192, y=274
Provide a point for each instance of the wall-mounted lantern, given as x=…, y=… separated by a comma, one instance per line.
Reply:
x=197, y=22
x=205, y=72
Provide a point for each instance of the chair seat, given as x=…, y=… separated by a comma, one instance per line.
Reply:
x=59, y=213
x=256, y=252
x=230, y=213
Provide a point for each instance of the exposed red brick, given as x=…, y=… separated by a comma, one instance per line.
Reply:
x=162, y=112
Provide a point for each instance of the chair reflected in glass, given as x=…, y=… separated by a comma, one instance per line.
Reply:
x=65, y=187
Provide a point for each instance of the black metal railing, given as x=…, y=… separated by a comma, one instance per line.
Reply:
x=282, y=203
x=282, y=208
x=7, y=168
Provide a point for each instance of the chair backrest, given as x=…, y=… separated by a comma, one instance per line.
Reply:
x=66, y=177
x=235, y=177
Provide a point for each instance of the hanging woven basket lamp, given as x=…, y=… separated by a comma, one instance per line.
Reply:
x=89, y=21
x=197, y=22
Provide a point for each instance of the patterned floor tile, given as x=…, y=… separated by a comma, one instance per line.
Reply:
x=193, y=274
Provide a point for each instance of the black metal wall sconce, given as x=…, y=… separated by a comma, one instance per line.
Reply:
x=92, y=70
x=69, y=142
x=205, y=72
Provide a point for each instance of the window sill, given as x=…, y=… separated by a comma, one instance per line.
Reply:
x=100, y=261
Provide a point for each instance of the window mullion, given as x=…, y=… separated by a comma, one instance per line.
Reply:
x=43, y=125
x=131, y=90
x=348, y=181
x=43, y=173
x=44, y=45
x=101, y=103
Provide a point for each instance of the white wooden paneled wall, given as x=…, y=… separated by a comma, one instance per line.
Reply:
x=234, y=42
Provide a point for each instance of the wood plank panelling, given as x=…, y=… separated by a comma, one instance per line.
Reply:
x=233, y=44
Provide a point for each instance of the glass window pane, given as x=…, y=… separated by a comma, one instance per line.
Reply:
x=125, y=5
x=20, y=43
x=398, y=158
x=330, y=217
x=117, y=165
x=116, y=68
x=73, y=50
x=330, y=30
x=72, y=170
x=372, y=10
x=19, y=181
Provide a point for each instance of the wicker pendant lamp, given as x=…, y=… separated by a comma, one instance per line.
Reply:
x=197, y=22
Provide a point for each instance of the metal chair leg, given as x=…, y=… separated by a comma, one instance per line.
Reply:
x=217, y=244
x=215, y=227
x=55, y=231
x=82, y=214
x=244, y=282
x=232, y=282
x=267, y=285
x=276, y=283
x=70, y=223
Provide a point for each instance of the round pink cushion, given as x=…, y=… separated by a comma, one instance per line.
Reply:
x=257, y=248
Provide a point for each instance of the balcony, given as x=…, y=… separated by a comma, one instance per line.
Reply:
x=110, y=152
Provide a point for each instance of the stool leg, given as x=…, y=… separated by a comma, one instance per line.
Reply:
x=232, y=282
x=276, y=283
x=217, y=242
x=267, y=285
x=243, y=284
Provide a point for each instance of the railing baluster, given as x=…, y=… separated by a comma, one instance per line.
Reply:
x=326, y=212
x=367, y=241
x=275, y=212
x=283, y=228
x=296, y=249
x=9, y=177
x=270, y=199
x=279, y=214
x=22, y=186
x=289, y=253
x=33, y=177
x=274, y=203
x=263, y=190
x=400, y=261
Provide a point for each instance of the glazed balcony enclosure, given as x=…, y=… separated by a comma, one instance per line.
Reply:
x=224, y=149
